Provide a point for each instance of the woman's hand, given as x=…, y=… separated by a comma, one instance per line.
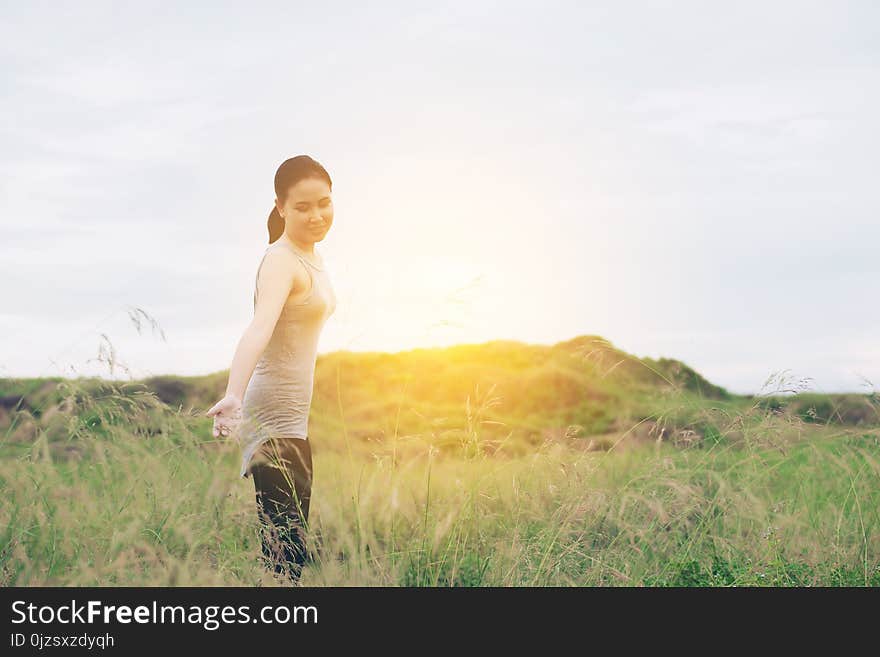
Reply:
x=227, y=415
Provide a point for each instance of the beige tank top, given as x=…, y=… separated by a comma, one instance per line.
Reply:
x=279, y=394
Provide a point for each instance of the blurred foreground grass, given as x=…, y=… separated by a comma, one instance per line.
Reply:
x=104, y=483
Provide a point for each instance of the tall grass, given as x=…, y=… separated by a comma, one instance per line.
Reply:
x=108, y=485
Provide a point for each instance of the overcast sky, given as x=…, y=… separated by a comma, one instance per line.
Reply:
x=689, y=180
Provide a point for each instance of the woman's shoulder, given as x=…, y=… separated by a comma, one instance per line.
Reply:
x=317, y=260
x=320, y=258
x=283, y=251
x=280, y=259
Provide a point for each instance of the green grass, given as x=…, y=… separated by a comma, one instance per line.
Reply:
x=107, y=485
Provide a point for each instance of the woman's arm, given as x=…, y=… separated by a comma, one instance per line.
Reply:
x=274, y=284
x=250, y=347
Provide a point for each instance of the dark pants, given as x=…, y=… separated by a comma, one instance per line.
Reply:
x=282, y=474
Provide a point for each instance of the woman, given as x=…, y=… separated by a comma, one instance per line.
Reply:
x=269, y=411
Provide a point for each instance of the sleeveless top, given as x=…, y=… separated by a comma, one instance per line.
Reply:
x=279, y=394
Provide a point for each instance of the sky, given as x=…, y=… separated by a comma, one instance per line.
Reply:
x=688, y=180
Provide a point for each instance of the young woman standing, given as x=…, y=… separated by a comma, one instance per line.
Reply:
x=271, y=378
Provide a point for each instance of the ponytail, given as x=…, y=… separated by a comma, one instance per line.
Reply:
x=275, y=225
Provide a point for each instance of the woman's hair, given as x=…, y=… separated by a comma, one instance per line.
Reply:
x=289, y=173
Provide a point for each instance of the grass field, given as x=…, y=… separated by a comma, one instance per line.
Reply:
x=597, y=481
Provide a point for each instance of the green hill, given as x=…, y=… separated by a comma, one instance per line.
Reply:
x=501, y=395
x=491, y=464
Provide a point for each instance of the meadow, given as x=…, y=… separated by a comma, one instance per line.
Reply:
x=500, y=464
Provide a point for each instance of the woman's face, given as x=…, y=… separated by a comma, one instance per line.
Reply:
x=307, y=210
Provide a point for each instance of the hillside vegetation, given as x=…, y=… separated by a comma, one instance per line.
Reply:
x=493, y=464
